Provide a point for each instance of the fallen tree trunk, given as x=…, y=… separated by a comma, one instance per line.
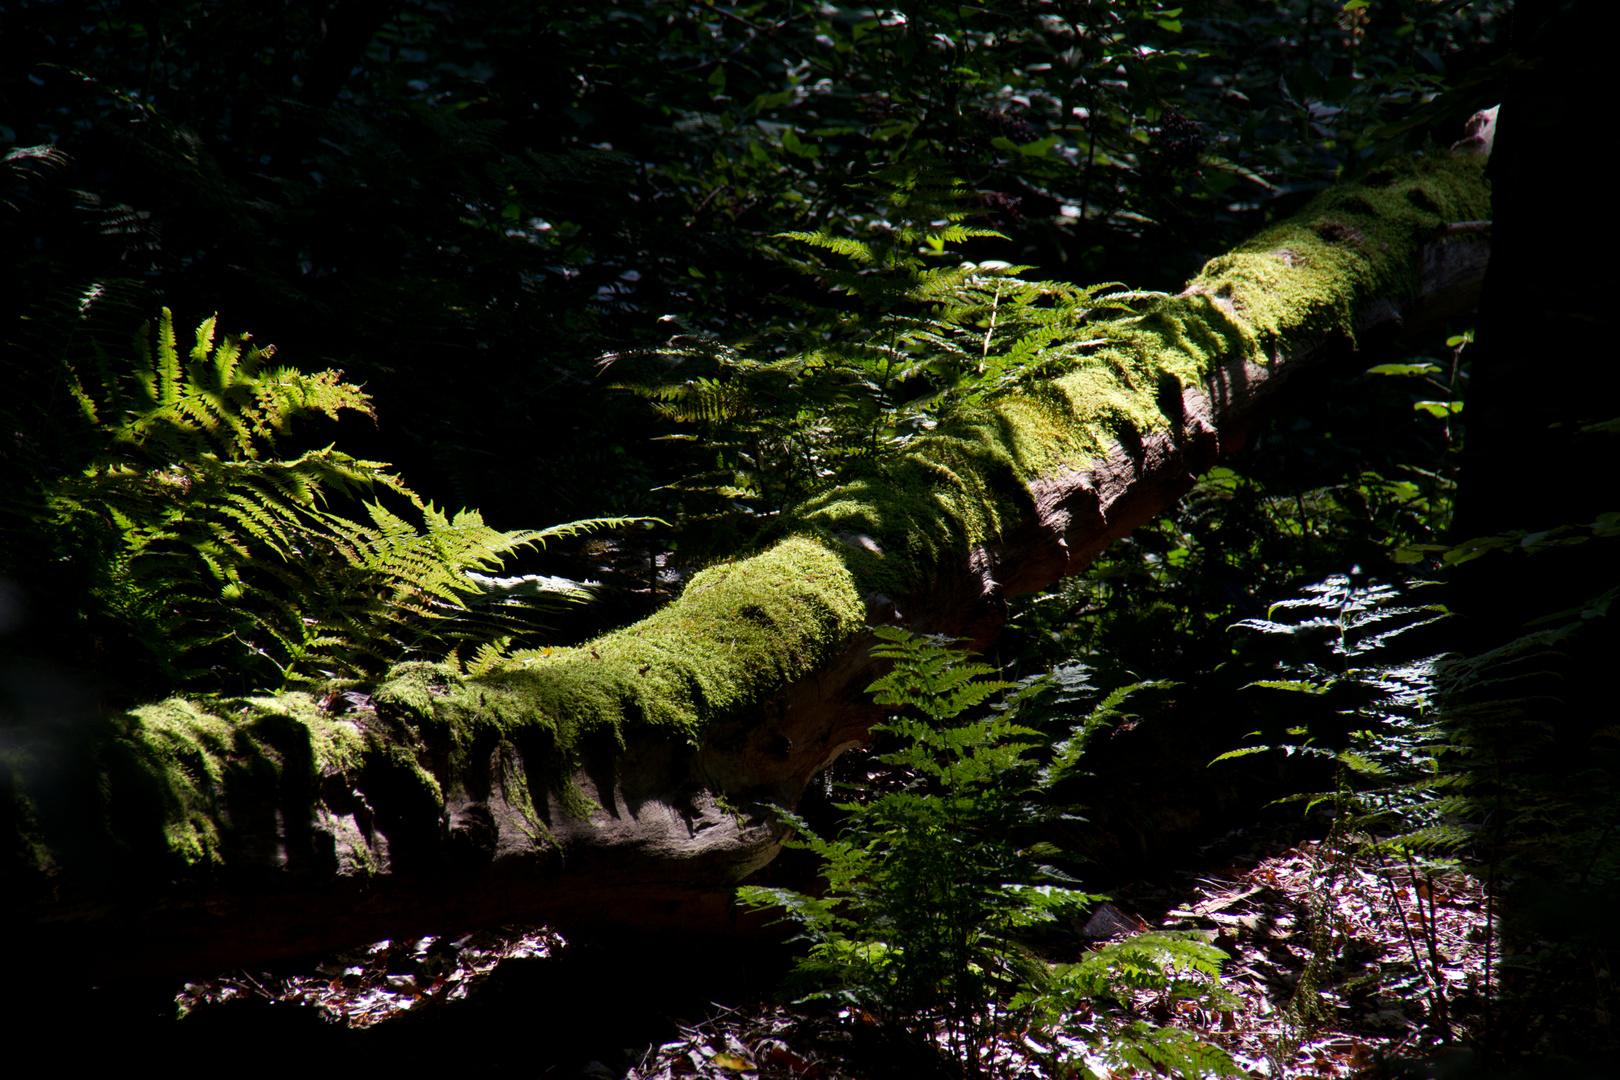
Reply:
x=631, y=781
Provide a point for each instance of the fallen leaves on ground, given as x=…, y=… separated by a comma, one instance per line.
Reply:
x=1339, y=963
x=375, y=983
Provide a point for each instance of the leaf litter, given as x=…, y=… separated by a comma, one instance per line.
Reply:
x=377, y=982
x=1339, y=963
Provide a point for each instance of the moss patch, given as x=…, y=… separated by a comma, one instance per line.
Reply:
x=738, y=631
x=192, y=767
x=1290, y=286
x=162, y=788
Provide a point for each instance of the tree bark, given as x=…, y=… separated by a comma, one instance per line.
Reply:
x=1542, y=368
x=1544, y=385
x=632, y=781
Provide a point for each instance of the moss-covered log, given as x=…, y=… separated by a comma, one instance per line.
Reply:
x=630, y=780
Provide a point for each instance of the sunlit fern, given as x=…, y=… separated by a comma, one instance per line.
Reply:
x=1364, y=698
x=228, y=562
x=902, y=341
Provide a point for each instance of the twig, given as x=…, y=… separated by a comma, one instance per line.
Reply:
x=1395, y=899
x=1431, y=939
x=770, y=33
x=1490, y=890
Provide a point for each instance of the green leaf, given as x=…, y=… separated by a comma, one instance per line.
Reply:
x=1040, y=148
x=1242, y=752
x=1403, y=369
x=1412, y=553
x=791, y=143
x=1298, y=685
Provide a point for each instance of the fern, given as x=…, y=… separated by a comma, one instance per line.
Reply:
x=23, y=163
x=1455, y=761
x=1437, y=757
x=795, y=408
x=1369, y=707
x=1387, y=738
x=226, y=562
x=930, y=893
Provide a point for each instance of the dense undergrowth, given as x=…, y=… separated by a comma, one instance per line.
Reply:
x=151, y=501
x=935, y=888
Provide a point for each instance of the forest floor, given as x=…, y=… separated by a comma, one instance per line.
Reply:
x=1398, y=960
x=1393, y=960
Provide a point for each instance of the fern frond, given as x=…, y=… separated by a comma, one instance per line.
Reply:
x=167, y=363
x=907, y=335
x=590, y=525
x=228, y=561
x=838, y=245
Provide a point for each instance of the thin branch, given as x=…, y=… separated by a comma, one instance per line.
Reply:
x=771, y=33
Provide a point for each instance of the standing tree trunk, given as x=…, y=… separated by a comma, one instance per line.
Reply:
x=1543, y=362
x=1542, y=454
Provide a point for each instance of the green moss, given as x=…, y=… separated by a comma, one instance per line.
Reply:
x=178, y=755
x=336, y=743
x=1290, y=286
x=160, y=785
x=514, y=783
x=413, y=688
x=738, y=630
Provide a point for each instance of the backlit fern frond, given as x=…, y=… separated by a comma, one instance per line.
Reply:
x=838, y=245
x=698, y=401
x=228, y=562
x=905, y=337
x=1371, y=696
x=222, y=399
